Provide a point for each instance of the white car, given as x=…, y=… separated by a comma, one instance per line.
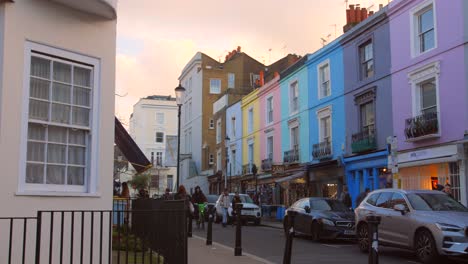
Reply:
x=250, y=211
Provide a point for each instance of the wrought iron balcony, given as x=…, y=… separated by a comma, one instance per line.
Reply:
x=267, y=164
x=364, y=140
x=422, y=126
x=247, y=168
x=322, y=150
x=291, y=156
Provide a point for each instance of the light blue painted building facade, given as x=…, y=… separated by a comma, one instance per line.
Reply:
x=234, y=131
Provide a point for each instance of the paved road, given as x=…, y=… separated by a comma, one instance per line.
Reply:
x=268, y=243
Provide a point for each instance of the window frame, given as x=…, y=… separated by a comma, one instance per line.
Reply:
x=90, y=187
x=250, y=122
x=414, y=27
x=269, y=99
x=362, y=62
x=320, y=66
x=292, y=85
x=158, y=115
x=233, y=127
x=212, y=86
x=321, y=114
x=210, y=159
x=231, y=80
x=211, y=124
x=419, y=76
x=156, y=137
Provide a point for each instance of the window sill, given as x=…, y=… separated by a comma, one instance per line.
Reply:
x=57, y=194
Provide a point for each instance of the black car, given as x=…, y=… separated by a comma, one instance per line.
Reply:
x=322, y=218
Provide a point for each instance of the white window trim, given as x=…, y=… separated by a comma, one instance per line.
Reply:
x=91, y=181
x=210, y=159
x=291, y=112
x=220, y=86
x=268, y=135
x=250, y=129
x=211, y=124
x=430, y=71
x=272, y=109
x=319, y=83
x=415, y=52
x=294, y=125
x=322, y=113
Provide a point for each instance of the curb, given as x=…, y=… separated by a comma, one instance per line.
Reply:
x=254, y=257
x=271, y=226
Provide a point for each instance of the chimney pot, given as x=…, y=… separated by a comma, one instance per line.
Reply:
x=380, y=6
x=358, y=14
x=238, y=48
x=363, y=14
x=351, y=7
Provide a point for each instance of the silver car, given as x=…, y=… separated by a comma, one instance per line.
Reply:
x=429, y=222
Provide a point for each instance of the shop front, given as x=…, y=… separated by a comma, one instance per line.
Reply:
x=367, y=171
x=326, y=179
x=294, y=186
x=427, y=168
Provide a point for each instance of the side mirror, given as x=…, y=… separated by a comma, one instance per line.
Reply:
x=307, y=209
x=400, y=208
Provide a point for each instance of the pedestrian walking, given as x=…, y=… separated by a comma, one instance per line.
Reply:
x=182, y=195
x=225, y=201
x=361, y=197
x=167, y=194
x=345, y=197
x=448, y=189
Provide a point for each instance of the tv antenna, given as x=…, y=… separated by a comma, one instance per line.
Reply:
x=324, y=41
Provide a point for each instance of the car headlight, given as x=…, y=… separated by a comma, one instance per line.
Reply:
x=449, y=227
x=327, y=222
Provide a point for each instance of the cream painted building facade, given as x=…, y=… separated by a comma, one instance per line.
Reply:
x=57, y=79
x=153, y=126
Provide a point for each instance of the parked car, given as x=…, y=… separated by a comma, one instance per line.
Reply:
x=250, y=211
x=429, y=222
x=211, y=199
x=322, y=218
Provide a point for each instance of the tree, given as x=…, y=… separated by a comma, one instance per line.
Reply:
x=141, y=181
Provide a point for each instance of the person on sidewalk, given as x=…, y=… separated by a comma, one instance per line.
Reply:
x=362, y=196
x=225, y=205
x=235, y=200
x=167, y=195
x=345, y=197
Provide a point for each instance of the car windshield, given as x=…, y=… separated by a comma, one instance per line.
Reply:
x=337, y=205
x=435, y=202
x=211, y=198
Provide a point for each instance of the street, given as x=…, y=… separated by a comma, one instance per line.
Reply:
x=268, y=243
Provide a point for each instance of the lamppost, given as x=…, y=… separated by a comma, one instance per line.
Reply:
x=179, y=92
x=226, y=142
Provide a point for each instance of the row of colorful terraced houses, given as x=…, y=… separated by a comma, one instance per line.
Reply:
x=384, y=105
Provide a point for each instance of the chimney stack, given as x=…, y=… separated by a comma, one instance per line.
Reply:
x=355, y=15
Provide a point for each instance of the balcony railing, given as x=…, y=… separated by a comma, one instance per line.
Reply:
x=292, y=155
x=267, y=164
x=364, y=140
x=247, y=168
x=322, y=150
x=422, y=126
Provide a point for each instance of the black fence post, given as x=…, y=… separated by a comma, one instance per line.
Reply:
x=38, y=236
x=238, y=248
x=373, y=222
x=289, y=237
x=209, y=232
x=190, y=223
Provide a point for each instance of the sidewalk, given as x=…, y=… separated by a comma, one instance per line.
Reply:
x=200, y=253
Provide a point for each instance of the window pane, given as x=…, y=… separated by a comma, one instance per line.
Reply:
x=40, y=67
x=81, y=96
x=36, y=131
x=57, y=134
x=60, y=113
x=34, y=173
x=62, y=72
x=38, y=110
x=80, y=116
x=82, y=76
x=368, y=52
x=77, y=137
x=76, y=155
x=55, y=174
x=35, y=151
x=61, y=93
x=426, y=21
x=56, y=153
x=39, y=89
x=428, y=41
x=428, y=95
x=75, y=176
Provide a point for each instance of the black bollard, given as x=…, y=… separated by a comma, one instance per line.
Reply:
x=373, y=222
x=209, y=232
x=289, y=238
x=238, y=249
x=190, y=223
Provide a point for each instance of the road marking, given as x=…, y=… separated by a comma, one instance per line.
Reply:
x=333, y=246
x=254, y=257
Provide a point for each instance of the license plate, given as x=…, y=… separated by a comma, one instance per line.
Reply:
x=248, y=213
x=349, y=232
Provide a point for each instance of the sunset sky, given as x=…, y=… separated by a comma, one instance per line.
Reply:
x=156, y=38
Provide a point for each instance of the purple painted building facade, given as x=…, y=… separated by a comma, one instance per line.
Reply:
x=429, y=94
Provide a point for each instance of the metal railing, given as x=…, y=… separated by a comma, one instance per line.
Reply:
x=136, y=231
x=422, y=125
x=267, y=164
x=292, y=155
x=247, y=168
x=364, y=140
x=322, y=150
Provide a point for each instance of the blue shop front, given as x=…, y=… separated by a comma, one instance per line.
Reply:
x=367, y=171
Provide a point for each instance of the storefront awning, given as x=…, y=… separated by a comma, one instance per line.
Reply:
x=130, y=149
x=324, y=164
x=453, y=158
x=291, y=177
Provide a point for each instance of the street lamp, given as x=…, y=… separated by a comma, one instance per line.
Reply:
x=226, y=142
x=179, y=92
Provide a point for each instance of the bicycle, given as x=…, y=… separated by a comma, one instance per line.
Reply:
x=201, y=215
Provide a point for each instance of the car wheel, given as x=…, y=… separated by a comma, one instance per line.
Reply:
x=363, y=238
x=315, y=231
x=425, y=247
